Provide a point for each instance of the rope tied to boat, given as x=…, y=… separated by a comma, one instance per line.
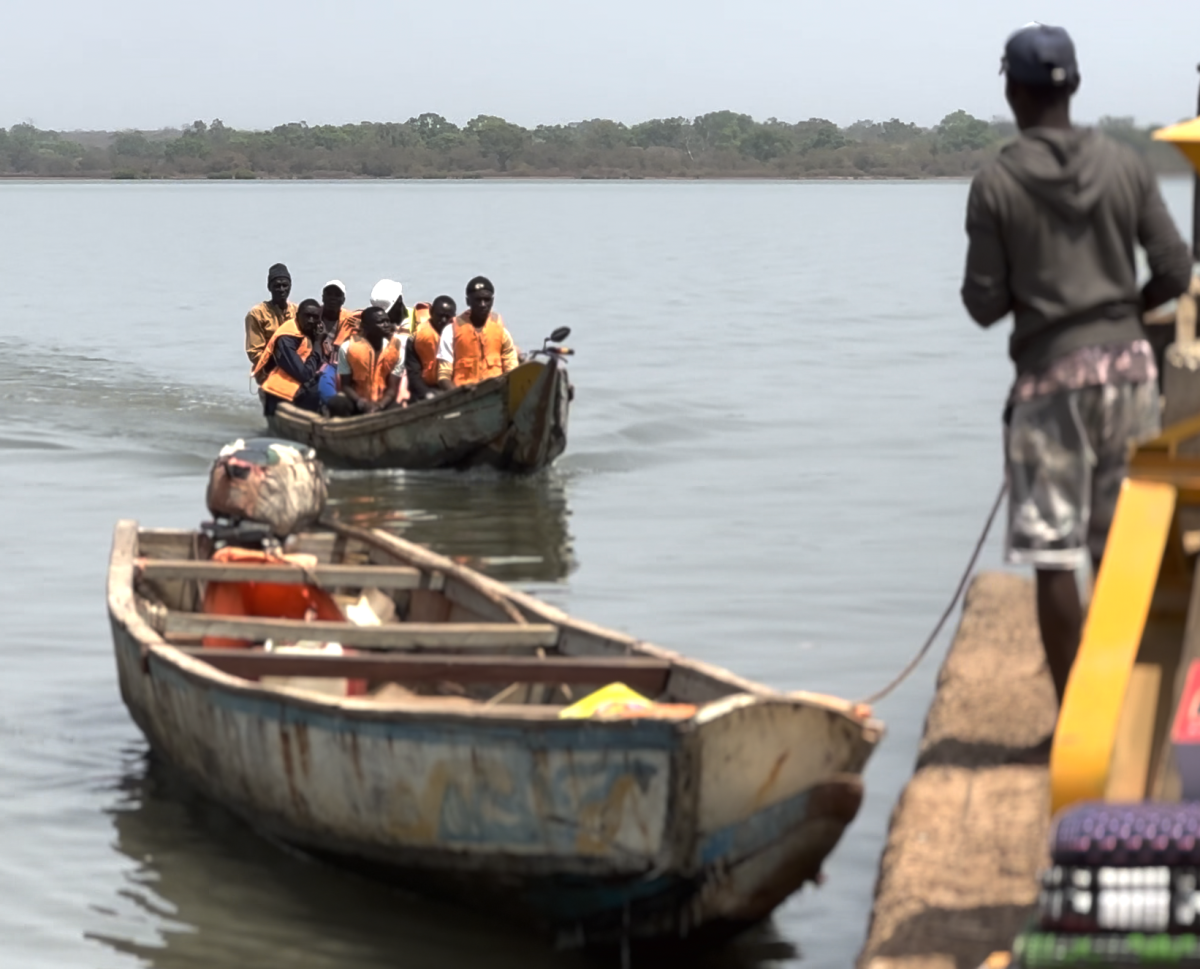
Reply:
x=962, y=585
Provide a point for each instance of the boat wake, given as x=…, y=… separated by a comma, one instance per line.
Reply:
x=73, y=401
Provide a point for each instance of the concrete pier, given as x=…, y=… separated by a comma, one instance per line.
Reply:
x=958, y=878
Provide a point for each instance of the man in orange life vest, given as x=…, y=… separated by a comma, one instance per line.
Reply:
x=420, y=361
x=292, y=360
x=265, y=318
x=476, y=346
x=371, y=366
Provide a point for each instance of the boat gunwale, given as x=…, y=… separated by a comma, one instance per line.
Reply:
x=122, y=604
x=396, y=416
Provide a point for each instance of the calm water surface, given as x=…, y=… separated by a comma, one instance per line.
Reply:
x=784, y=442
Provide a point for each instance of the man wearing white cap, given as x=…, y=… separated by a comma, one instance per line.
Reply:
x=339, y=321
x=388, y=295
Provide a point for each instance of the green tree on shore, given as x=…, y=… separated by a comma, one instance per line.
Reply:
x=498, y=137
x=718, y=144
x=960, y=131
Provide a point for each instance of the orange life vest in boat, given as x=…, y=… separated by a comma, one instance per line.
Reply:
x=370, y=371
x=279, y=382
x=418, y=315
x=347, y=328
x=274, y=600
x=478, y=351
x=426, y=342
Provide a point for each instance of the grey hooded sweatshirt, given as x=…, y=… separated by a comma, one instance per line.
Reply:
x=1052, y=224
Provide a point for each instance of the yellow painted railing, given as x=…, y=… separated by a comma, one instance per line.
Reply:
x=1087, y=724
x=1185, y=137
x=1144, y=573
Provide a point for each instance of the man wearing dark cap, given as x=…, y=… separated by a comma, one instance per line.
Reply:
x=476, y=345
x=1052, y=224
x=265, y=318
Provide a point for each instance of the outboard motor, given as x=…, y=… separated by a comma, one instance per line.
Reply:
x=263, y=489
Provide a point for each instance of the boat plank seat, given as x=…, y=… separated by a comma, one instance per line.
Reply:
x=397, y=636
x=645, y=675
x=359, y=576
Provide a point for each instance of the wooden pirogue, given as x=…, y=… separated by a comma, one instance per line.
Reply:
x=517, y=422
x=694, y=818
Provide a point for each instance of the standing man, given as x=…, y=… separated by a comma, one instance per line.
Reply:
x=477, y=346
x=265, y=318
x=1052, y=224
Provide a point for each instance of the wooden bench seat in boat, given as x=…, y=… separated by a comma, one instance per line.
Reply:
x=390, y=636
x=326, y=576
x=648, y=676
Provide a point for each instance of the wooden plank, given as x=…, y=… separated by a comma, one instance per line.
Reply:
x=405, y=635
x=320, y=544
x=166, y=542
x=645, y=675
x=1127, y=774
x=359, y=576
x=495, y=593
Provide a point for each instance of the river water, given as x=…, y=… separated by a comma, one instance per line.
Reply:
x=784, y=442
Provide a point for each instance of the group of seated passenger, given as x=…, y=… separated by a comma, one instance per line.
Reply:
x=321, y=357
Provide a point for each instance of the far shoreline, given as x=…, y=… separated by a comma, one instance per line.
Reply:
x=335, y=179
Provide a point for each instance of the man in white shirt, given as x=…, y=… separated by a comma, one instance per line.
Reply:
x=477, y=345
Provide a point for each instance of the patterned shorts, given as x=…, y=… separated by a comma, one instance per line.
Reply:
x=1066, y=455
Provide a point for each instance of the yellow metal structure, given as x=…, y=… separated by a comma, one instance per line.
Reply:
x=1185, y=137
x=1087, y=726
x=1116, y=712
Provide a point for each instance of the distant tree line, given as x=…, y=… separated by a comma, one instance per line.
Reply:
x=719, y=144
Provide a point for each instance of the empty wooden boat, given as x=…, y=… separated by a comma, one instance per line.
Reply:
x=516, y=422
x=460, y=749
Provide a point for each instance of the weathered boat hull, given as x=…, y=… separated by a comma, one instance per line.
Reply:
x=517, y=423
x=595, y=831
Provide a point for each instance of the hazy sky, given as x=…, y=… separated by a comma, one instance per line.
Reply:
x=257, y=63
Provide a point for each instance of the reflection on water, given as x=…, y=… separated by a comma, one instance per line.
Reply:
x=218, y=895
x=515, y=529
x=209, y=892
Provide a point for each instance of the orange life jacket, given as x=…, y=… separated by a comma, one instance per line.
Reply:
x=291, y=601
x=418, y=315
x=426, y=342
x=269, y=599
x=278, y=381
x=347, y=326
x=370, y=371
x=478, y=352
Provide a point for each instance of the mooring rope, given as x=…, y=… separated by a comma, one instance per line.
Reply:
x=962, y=584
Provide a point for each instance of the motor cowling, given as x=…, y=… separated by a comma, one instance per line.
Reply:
x=275, y=483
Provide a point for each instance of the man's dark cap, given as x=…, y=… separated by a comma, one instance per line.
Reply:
x=1040, y=56
x=479, y=284
x=279, y=269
